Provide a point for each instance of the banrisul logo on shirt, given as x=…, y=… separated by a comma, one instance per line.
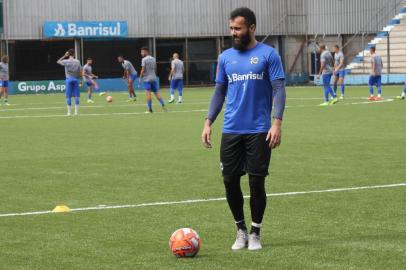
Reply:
x=85, y=29
x=245, y=77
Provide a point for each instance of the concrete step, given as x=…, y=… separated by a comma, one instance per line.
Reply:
x=399, y=27
x=397, y=32
x=399, y=58
x=392, y=46
x=393, y=52
x=394, y=40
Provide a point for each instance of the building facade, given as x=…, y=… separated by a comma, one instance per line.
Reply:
x=196, y=29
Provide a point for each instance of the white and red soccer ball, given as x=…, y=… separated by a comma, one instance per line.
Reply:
x=184, y=242
x=109, y=99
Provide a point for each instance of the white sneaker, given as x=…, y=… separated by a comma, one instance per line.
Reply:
x=254, y=242
x=241, y=241
x=68, y=114
x=341, y=97
x=171, y=100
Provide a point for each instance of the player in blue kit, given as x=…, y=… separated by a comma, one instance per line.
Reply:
x=176, y=78
x=339, y=70
x=148, y=76
x=73, y=71
x=375, y=75
x=130, y=75
x=89, y=80
x=250, y=79
x=326, y=72
x=4, y=79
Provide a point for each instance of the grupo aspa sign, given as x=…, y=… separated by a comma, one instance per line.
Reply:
x=82, y=29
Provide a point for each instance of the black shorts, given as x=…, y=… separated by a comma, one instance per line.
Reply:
x=241, y=154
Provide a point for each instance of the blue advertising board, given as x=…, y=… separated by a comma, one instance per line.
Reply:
x=62, y=29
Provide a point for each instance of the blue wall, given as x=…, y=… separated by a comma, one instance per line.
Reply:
x=363, y=79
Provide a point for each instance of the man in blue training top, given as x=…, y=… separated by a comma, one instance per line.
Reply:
x=250, y=79
x=73, y=71
x=326, y=72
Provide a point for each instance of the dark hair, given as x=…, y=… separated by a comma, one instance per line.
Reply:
x=71, y=52
x=372, y=48
x=322, y=46
x=246, y=13
x=89, y=59
x=145, y=49
x=336, y=46
x=4, y=59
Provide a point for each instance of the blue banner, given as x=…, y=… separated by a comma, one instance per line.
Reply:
x=85, y=29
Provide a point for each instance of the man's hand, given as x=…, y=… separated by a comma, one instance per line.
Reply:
x=274, y=134
x=206, y=134
x=66, y=54
x=318, y=77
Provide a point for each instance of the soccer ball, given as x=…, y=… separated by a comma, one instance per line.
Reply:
x=184, y=242
x=109, y=98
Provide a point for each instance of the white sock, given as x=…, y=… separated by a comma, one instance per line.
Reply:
x=172, y=97
x=76, y=109
x=379, y=95
x=403, y=94
x=180, y=98
x=256, y=225
x=69, y=109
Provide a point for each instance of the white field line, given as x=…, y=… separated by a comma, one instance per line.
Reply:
x=178, y=111
x=95, y=114
x=90, y=106
x=104, y=207
x=191, y=102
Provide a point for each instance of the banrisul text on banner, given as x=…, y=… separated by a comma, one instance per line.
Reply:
x=56, y=29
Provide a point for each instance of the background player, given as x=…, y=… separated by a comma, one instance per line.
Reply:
x=250, y=89
x=148, y=76
x=326, y=72
x=4, y=78
x=130, y=74
x=73, y=72
x=375, y=77
x=176, y=78
x=339, y=70
x=89, y=80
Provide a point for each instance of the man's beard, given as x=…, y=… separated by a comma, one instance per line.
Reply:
x=243, y=44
